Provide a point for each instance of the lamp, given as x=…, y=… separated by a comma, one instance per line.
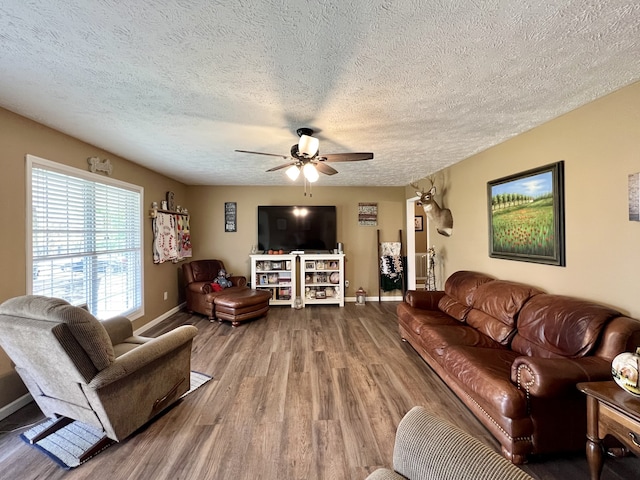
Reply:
x=308, y=146
x=293, y=171
x=361, y=297
x=310, y=173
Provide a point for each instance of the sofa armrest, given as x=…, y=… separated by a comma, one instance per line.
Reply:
x=238, y=280
x=385, y=474
x=430, y=448
x=424, y=299
x=200, y=287
x=118, y=328
x=143, y=355
x=547, y=377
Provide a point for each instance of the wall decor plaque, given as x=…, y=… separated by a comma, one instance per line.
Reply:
x=230, y=218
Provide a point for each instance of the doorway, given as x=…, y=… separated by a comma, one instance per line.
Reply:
x=413, y=262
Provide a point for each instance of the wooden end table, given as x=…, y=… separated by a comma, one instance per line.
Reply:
x=610, y=411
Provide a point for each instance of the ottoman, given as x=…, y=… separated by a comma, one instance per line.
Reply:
x=239, y=306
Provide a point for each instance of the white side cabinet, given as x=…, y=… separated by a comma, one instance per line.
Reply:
x=322, y=279
x=277, y=274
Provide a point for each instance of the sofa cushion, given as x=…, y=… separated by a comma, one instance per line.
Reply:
x=459, y=290
x=211, y=296
x=415, y=319
x=495, y=308
x=437, y=338
x=485, y=373
x=552, y=326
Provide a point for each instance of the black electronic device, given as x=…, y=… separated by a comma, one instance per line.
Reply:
x=297, y=228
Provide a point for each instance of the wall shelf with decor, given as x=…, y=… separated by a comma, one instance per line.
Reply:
x=277, y=274
x=322, y=279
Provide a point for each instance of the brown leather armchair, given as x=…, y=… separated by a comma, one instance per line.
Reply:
x=198, y=276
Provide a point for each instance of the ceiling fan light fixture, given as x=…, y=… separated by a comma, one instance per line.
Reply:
x=310, y=173
x=308, y=146
x=293, y=172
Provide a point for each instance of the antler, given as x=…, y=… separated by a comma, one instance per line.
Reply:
x=431, y=179
x=417, y=187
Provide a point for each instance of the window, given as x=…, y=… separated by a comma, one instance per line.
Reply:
x=85, y=239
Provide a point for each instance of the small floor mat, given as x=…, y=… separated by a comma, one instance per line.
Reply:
x=68, y=445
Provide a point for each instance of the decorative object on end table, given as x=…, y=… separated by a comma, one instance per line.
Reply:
x=624, y=369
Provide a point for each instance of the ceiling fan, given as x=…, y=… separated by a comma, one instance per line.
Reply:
x=306, y=157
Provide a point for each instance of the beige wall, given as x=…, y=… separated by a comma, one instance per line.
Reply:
x=206, y=207
x=20, y=136
x=600, y=144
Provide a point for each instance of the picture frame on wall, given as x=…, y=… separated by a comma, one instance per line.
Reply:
x=418, y=223
x=230, y=217
x=367, y=214
x=526, y=216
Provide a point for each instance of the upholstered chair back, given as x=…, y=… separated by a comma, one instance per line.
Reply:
x=201, y=270
x=55, y=346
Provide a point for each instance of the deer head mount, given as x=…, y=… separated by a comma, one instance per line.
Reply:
x=441, y=217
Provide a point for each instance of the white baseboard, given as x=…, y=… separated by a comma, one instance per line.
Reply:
x=156, y=321
x=375, y=299
x=16, y=405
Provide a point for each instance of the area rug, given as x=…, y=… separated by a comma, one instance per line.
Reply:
x=77, y=442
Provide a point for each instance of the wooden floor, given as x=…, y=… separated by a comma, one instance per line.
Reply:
x=302, y=394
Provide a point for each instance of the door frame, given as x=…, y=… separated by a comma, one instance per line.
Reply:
x=411, y=241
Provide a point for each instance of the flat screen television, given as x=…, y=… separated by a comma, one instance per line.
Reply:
x=288, y=228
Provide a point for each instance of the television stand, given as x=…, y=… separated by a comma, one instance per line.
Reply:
x=322, y=278
x=277, y=274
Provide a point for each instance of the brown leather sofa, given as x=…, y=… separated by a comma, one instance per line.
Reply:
x=514, y=354
x=198, y=276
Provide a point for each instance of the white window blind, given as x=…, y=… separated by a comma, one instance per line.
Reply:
x=86, y=239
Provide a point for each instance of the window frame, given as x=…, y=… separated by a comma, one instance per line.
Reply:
x=33, y=161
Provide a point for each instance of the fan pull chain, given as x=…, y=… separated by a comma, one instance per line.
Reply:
x=305, y=188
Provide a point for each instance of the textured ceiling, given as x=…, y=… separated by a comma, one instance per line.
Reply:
x=177, y=85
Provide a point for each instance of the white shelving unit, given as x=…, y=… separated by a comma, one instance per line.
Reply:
x=322, y=279
x=277, y=274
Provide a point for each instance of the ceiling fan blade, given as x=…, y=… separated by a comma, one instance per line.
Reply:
x=347, y=157
x=262, y=153
x=324, y=168
x=285, y=165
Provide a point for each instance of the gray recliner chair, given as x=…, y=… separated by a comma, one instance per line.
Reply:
x=77, y=367
x=429, y=448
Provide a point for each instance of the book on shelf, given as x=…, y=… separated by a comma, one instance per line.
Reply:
x=284, y=293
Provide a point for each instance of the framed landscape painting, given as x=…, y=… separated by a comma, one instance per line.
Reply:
x=526, y=216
